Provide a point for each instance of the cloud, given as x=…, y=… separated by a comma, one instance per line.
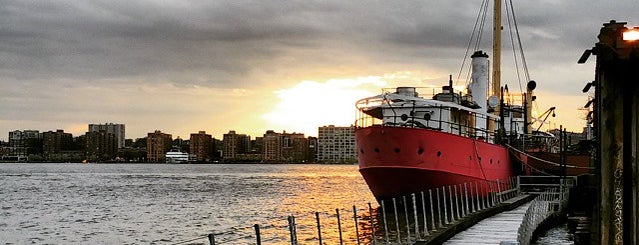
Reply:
x=75, y=60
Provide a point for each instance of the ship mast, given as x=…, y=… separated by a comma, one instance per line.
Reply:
x=496, y=84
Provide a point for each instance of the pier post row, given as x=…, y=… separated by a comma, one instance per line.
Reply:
x=617, y=109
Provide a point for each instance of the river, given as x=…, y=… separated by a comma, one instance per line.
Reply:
x=174, y=204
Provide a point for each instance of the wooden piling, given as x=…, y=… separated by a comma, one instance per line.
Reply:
x=616, y=125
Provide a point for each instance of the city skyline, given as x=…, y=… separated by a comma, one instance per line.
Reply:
x=254, y=66
x=220, y=137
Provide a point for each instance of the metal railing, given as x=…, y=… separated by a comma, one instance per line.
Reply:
x=411, y=120
x=552, y=199
x=400, y=220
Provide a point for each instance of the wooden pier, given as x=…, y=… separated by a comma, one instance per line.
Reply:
x=503, y=227
x=507, y=216
x=518, y=223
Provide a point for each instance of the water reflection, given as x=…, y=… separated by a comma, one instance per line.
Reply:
x=556, y=236
x=157, y=203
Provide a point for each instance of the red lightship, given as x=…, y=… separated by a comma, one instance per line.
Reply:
x=408, y=142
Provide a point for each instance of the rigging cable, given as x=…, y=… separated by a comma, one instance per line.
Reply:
x=481, y=166
x=512, y=43
x=546, y=161
x=480, y=16
x=521, y=47
x=533, y=104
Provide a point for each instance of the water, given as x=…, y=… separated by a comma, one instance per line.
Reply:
x=556, y=236
x=169, y=204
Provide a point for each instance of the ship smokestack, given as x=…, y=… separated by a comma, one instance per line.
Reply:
x=406, y=91
x=478, y=87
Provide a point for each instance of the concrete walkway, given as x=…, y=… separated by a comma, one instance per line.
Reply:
x=493, y=230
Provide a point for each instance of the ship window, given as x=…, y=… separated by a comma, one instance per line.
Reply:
x=439, y=153
x=470, y=157
x=361, y=150
x=377, y=150
x=404, y=117
x=426, y=116
x=517, y=114
x=420, y=151
x=396, y=150
x=491, y=161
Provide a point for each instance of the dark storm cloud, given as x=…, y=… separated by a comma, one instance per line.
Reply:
x=224, y=41
x=96, y=39
x=78, y=61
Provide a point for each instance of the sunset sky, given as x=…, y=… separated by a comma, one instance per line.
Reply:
x=185, y=66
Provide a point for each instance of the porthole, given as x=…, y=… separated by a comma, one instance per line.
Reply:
x=396, y=150
x=439, y=153
x=361, y=150
x=377, y=150
x=404, y=117
x=420, y=151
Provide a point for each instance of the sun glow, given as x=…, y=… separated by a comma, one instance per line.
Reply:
x=310, y=104
x=631, y=35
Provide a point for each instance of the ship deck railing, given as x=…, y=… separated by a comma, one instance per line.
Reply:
x=465, y=129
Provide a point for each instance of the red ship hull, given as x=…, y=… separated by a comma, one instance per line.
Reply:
x=398, y=161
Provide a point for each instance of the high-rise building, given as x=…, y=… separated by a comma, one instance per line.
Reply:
x=235, y=144
x=55, y=142
x=157, y=145
x=272, y=146
x=101, y=145
x=336, y=144
x=294, y=147
x=311, y=152
x=200, y=146
x=116, y=129
x=25, y=142
x=257, y=145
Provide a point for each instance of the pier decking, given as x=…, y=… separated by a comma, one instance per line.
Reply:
x=502, y=227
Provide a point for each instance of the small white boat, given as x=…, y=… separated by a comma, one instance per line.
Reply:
x=176, y=156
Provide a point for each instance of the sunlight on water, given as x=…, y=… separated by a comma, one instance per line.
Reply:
x=157, y=203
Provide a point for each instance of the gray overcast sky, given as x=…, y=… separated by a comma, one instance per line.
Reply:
x=184, y=66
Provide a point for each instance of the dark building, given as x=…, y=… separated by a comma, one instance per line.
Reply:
x=133, y=151
x=293, y=148
x=157, y=145
x=201, y=146
x=56, y=142
x=272, y=146
x=235, y=144
x=311, y=151
x=101, y=145
x=257, y=145
x=25, y=142
x=117, y=129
